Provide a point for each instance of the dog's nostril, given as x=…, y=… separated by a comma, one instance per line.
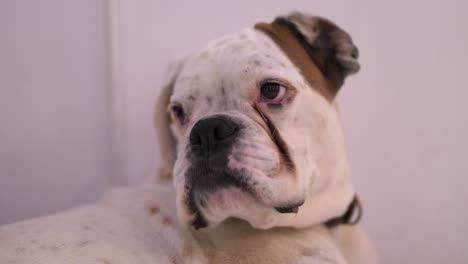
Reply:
x=211, y=131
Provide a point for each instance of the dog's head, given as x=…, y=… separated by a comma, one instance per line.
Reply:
x=253, y=130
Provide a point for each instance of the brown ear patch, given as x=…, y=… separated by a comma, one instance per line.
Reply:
x=322, y=51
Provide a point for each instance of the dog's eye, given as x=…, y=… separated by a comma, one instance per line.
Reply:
x=273, y=92
x=178, y=112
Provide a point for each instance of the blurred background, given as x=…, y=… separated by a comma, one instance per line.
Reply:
x=78, y=80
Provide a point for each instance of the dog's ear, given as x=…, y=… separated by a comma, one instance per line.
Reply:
x=162, y=122
x=328, y=46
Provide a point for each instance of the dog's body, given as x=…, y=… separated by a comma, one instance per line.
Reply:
x=138, y=225
x=256, y=152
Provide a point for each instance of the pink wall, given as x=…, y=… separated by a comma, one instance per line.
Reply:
x=54, y=106
x=405, y=113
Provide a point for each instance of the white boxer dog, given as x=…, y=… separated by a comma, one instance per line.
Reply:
x=254, y=146
x=255, y=135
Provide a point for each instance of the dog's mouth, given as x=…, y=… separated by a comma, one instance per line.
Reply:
x=293, y=208
x=215, y=184
x=226, y=201
x=199, y=221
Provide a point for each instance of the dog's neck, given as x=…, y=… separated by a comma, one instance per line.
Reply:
x=250, y=245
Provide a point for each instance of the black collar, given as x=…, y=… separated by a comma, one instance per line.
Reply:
x=350, y=217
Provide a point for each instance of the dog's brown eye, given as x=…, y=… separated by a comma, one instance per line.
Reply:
x=270, y=90
x=178, y=112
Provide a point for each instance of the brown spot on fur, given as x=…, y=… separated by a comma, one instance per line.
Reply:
x=187, y=252
x=54, y=248
x=175, y=260
x=87, y=227
x=33, y=241
x=20, y=250
x=83, y=243
x=235, y=104
x=154, y=209
x=104, y=261
x=167, y=221
x=209, y=100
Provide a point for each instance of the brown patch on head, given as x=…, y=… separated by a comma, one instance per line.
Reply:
x=323, y=52
x=286, y=40
x=154, y=209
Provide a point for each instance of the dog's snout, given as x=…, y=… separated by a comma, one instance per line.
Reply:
x=211, y=131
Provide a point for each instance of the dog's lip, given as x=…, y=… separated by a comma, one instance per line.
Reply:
x=292, y=208
x=199, y=221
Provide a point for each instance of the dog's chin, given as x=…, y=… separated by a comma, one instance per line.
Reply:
x=224, y=203
x=236, y=203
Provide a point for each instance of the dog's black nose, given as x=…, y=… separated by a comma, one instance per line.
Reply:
x=210, y=132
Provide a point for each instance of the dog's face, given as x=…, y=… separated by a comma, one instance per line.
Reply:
x=256, y=130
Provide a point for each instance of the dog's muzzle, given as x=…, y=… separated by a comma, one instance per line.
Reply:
x=210, y=142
